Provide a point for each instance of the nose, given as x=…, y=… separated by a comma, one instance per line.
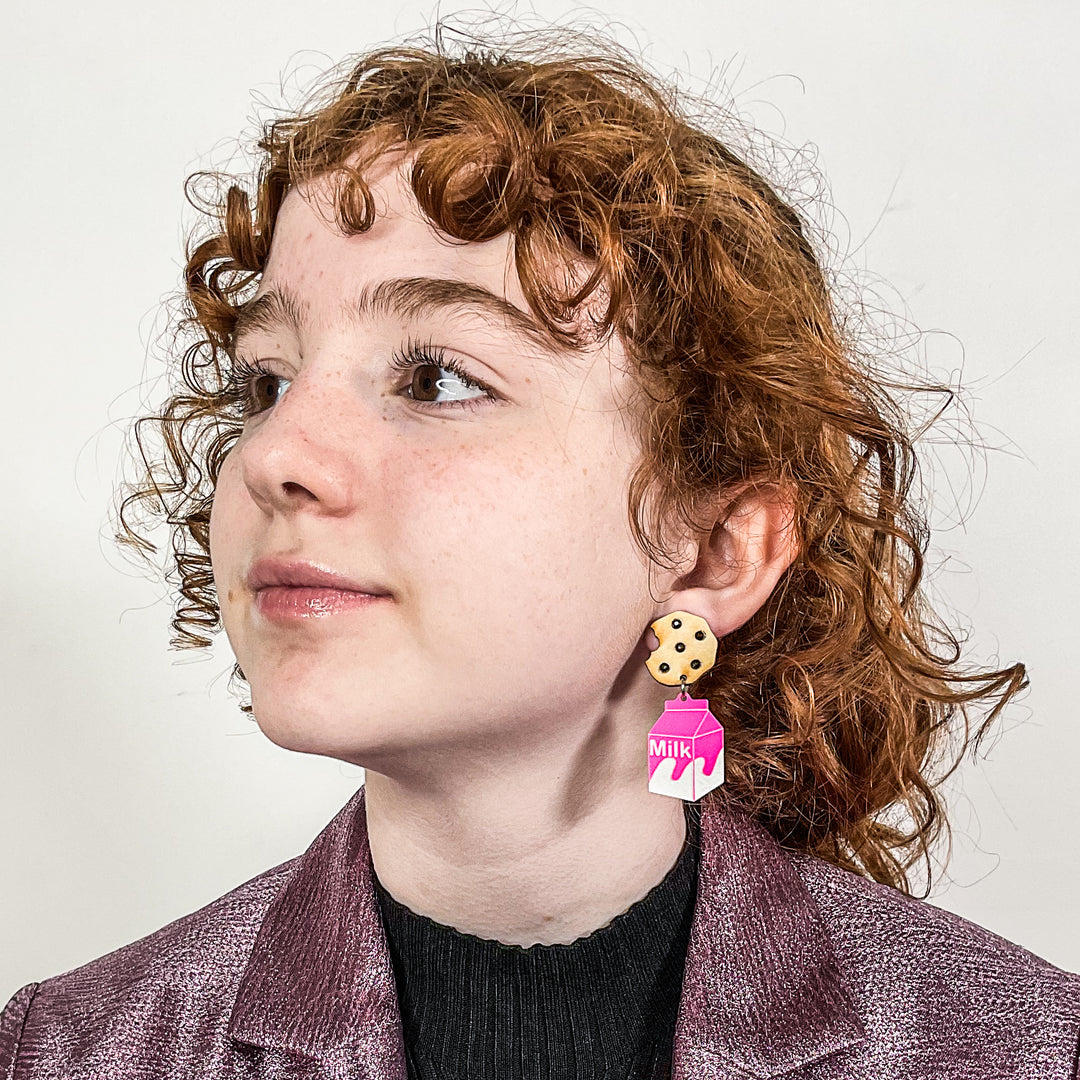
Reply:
x=302, y=454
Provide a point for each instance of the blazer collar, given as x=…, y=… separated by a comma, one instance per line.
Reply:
x=319, y=982
x=762, y=991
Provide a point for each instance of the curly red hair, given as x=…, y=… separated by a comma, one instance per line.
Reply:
x=838, y=697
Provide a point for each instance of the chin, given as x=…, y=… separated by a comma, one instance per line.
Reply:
x=326, y=731
x=286, y=733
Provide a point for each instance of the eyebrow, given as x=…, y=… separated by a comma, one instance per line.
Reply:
x=406, y=298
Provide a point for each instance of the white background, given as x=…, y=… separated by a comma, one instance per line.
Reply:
x=132, y=790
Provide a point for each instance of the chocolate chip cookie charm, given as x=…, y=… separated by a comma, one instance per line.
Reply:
x=687, y=648
x=686, y=744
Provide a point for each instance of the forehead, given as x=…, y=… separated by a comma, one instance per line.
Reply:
x=311, y=258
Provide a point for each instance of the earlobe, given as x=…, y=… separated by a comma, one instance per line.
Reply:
x=740, y=562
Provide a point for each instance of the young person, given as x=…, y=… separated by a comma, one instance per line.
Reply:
x=521, y=449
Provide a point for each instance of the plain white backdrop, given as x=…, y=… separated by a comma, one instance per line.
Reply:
x=132, y=790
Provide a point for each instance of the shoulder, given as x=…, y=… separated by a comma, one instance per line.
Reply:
x=206, y=948
x=184, y=975
x=927, y=977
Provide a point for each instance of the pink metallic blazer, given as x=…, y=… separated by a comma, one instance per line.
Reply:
x=795, y=969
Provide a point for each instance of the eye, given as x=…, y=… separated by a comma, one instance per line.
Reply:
x=248, y=388
x=425, y=362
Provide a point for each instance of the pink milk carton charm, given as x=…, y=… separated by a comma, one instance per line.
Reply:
x=686, y=750
x=686, y=745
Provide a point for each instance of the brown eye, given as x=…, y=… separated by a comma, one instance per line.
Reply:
x=264, y=393
x=425, y=383
x=250, y=389
x=433, y=373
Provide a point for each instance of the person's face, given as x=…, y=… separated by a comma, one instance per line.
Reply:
x=498, y=526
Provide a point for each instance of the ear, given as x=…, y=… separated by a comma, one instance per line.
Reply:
x=734, y=568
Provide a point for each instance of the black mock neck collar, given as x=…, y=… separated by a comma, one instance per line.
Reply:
x=477, y=1008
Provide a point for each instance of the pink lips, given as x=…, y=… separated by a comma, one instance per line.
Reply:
x=287, y=590
x=288, y=602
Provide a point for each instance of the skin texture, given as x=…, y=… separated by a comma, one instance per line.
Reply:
x=498, y=699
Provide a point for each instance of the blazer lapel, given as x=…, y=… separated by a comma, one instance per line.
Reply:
x=319, y=982
x=762, y=990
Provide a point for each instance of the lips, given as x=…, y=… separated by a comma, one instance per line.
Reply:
x=294, y=573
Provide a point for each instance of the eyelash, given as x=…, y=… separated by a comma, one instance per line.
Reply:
x=238, y=388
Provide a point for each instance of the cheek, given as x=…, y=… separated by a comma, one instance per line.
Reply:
x=526, y=527
x=225, y=547
x=455, y=517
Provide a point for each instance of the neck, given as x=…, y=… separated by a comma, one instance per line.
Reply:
x=526, y=851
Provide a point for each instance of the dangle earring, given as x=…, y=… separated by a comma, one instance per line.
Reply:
x=686, y=744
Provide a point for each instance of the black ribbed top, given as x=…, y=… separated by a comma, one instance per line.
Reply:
x=600, y=1008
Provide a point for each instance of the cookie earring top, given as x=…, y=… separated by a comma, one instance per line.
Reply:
x=687, y=648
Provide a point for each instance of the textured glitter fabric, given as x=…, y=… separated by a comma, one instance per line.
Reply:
x=795, y=968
